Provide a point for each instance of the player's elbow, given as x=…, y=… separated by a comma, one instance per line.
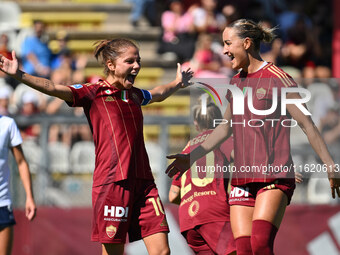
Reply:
x=174, y=196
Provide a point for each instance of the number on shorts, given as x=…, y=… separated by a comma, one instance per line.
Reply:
x=157, y=205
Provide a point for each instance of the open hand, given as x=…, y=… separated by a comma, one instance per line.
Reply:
x=298, y=177
x=184, y=77
x=179, y=165
x=9, y=66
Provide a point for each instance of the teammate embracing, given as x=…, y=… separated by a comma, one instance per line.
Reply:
x=201, y=192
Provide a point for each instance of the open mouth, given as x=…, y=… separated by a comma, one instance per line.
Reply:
x=131, y=77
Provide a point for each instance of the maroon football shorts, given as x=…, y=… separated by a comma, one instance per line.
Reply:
x=211, y=238
x=130, y=207
x=246, y=194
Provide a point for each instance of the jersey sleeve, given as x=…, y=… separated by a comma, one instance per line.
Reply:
x=176, y=182
x=15, y=137
x=83, y=94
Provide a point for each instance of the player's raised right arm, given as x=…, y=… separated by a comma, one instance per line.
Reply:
x=183, y=162
x=43, y=85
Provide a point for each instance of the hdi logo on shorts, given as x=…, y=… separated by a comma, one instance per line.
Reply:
x=116, y=211
x=239, y=192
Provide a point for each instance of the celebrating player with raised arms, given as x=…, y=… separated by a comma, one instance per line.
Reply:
x=124, y=196
x=258, y=198
x=201, y=192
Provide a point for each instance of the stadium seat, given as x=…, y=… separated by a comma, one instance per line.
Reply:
x=82, y=157
x=76, y=46
x=77, y=20
x=175, y=131
x=174, y=105
x=33, y=155
x=58, y=155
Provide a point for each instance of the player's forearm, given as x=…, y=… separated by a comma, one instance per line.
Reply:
x=25, y=177
x=44, y=85
x=174, y=195
x=215, y=139
x=318, y=144
x=162, y=92
x=41, y=84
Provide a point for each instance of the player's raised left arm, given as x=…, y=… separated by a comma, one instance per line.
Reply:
x=316, y=141
x=182, y=80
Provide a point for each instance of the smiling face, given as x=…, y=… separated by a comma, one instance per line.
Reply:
x=235, y=48
x=124, y=69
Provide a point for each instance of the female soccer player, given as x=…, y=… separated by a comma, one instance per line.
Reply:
x=124, y=196
x=258, y=199
x=205, y=225
x=10, y=139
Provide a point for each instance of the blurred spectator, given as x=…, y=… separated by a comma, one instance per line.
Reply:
x=4, y=50
x=330, y=125
x=270, y=51
x=207, y=19
x=143, y=7
x=323, y=25
x=330, y=130
x=29, y=108
x=272, y=8
x=36, y=55
x=289, y=18
x=231, y=13
x=205, y=62
x=19, y=92
x=67, y=134
x=5, y=95
x=178, y=32
x=56, y=105
x=301, y=46
x=63, y=54
x=64, y=58
x=316, y=79
x=60, y=132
